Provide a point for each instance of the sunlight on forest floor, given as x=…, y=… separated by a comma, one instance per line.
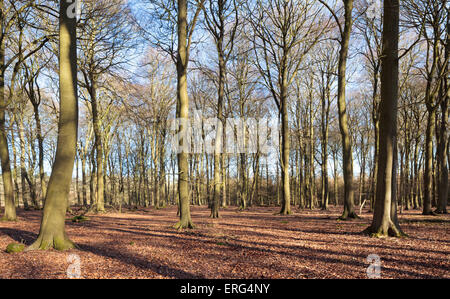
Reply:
x=251, y=244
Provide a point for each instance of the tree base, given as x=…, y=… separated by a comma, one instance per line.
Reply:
x=429, y=213
x=284, y=213
x=392, y=231
x=347, y=216
x=50, y=241
x=214, y=215
x=184, y=224
x=8, y=219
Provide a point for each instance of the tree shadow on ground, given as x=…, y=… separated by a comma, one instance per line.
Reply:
x=408, y=221
x=139, y=262
x=20, y=236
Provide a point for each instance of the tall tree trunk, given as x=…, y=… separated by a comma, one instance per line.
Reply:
x=442, y=147
x=40, y=139
x=219, y=130
x=8, y=189
x=243, y=180
x=52, y=232
x=428, y=175
x=285, y=149
x=385, y=218
x=100, y=203
x=23, y=171
x=183, y=114
x=224, y=182
x=83, y=179
x=343, y=120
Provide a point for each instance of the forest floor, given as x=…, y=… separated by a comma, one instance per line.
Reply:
x=250, y=244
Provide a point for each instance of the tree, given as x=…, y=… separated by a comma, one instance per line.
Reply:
x=442, y=147
x=384, y=221
x=345, y=33
x=9, y=16
x=105, y=43
x=52, y=232
x=429, y=19
x=184, y=43
x=283, y=33
x=370, y=28
x=218, y=14
x=327, y=70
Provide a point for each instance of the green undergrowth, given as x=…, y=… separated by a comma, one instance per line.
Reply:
x=15, y=248
x=79, y=218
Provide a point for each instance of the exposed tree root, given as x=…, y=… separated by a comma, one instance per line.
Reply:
x=214, y=215
x=47, y=241
x=7, y=219
x=392, y=230
x=348, y=216
x=183, y=224
x=284, y=213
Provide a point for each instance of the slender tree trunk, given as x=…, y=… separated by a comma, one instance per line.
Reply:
x=40, y=139
x=428, y=175
x=8, y=189
x=285, y=150
x=219, y=130
x=343, y=122
x=183, y=114
x=83, y=179
x=100, y=203
x=243, y=179
x=224, y=183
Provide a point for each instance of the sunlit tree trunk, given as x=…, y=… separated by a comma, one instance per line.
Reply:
x=343, y=119
x=183, y=114
x=52, y=232
x=8, y=189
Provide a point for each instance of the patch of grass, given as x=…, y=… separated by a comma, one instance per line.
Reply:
x=284, y=222
x=79, y=218
x=15, y=248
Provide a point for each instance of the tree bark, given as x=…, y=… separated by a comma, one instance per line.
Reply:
x=343, y=119
x=384, y=221
x=52, y=232
x=8, y=189
x=183, y=114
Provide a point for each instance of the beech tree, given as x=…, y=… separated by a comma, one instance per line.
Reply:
x=184, y=43
x=282, y=34
x=52, y=232
x=385, y=221
x=345, y=31
x=222, y=20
